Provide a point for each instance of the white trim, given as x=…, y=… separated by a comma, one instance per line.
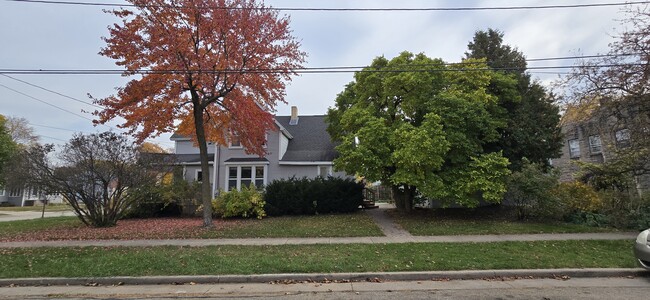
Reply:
x=198, y=163
x=239, y=178
x=214, y=170
x=2, y=192
x=246, y=163
x=283, y=130
x=182, y=138
x=305, y=163
x=329, y=170
x=283, y=144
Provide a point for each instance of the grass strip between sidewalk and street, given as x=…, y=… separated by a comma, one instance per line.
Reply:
x=215, y=260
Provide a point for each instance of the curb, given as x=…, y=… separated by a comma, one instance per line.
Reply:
x=332, y=277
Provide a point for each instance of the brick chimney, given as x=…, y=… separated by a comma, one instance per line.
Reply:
x=294, y=116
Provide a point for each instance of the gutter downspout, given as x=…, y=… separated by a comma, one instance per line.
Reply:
x=215, y=168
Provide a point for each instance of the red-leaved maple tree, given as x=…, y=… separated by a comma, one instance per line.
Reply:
x=203, y=68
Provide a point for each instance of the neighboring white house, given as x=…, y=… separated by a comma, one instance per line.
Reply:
x=299, y=146
x=27, y=197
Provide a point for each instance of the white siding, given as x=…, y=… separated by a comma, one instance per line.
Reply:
x=187, y=147
x=284, y=143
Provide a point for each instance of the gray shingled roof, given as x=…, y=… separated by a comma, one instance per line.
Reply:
x=247, y=159
x=310, y=142
x=191, y=158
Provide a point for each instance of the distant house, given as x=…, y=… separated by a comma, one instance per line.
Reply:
x=595, y=136
x=298, y=147
x=27, y=196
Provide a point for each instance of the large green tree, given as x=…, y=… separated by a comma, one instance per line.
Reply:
x=533, y=130
x=421, y=125
x=7, y=149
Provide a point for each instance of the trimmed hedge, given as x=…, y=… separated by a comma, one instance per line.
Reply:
x=312, y=196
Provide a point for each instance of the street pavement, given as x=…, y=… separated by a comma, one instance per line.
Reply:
x=486, y=288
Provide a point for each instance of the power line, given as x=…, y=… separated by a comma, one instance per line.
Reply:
x=58, y=128
x=314, y=9
x=369, y=69
x=45, y=102
x=86, y=132
x=332, y=69
x=49, y=137
x=50, y=104
x=51, y=91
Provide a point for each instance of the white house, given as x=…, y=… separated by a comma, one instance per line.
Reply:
x=27, y=197
x=299, y=146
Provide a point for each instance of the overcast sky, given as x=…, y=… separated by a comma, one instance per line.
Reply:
x=48, y=36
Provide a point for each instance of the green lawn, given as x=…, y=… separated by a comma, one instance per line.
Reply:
x=480, y=221
x=62, y=228
x=12, y=228
x=123, y=261
x=344, y=225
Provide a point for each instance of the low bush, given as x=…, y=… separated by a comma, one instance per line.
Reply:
x=247, y=202
x=168, y=198
x=530, y=191
x=337, y=195
x=626, y=210
x=289, y=197
x=578, y=197
x=588, y=218
x=311, y=196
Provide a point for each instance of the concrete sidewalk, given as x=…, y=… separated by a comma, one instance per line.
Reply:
x=311, y=241
x=6, y=216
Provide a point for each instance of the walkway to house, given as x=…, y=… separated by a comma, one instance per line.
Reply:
x=385, y=223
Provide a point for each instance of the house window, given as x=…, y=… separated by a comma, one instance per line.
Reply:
x=239, y=176
x=199, y=175
x=235, y=141
x=623, y=137
x=595, y=145
x=2, y=191
x=324, y=171
x=574, y=148
x=15, y=192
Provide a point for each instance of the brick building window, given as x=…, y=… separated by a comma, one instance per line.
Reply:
x=574, y=148
x=623, y=137
x=595, y=144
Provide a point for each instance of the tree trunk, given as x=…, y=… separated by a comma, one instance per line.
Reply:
x=403, y=196
x=206, y=191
